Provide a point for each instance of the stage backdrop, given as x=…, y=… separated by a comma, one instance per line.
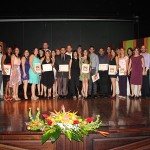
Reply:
x=137, y=43
x=98, y=33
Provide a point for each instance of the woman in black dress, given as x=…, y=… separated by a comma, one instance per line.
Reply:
x=6, y=60
x=114, y=61
x=47, y=77
x=75, y=73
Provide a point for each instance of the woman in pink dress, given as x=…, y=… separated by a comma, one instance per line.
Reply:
x=137, y=69
x=15, y=76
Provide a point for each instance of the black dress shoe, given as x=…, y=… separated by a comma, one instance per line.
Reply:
x=89, y=96
x=132, y=96
x=95, y=96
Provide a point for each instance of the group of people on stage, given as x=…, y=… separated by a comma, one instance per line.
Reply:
x=69, y=73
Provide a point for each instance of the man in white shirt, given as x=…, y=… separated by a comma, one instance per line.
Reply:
x=69, y=50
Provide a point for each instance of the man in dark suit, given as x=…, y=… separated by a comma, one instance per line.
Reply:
x=62, y=76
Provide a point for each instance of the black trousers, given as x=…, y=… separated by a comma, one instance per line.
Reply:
x=104, y=83
x=75, y=85
x=145, y=86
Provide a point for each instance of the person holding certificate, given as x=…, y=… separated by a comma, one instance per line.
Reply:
x=6, y=61
x=47, y=77
x=113, y=68
x=15, y=76
x=62, y=62
x=93, y=72
x=123, y=67
x=104, y=81
x=85, y=65
x=34, y=71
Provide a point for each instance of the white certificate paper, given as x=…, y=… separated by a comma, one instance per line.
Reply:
x=122, y=70
x=37, y=67
x=47, y=67
x=63, y=68
x=112, y=70
x=95, y=78
x=103, y=67
x=7, y=69
x=85, y=68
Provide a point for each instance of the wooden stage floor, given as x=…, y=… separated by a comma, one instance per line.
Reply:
x=115, y=114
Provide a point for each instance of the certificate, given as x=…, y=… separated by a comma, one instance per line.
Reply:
x=47, y=67
x=63, y=68
x=112, y=70
x=85, y=68
x=103, y=67
x=37, y=67
x=95, y=78
x=7, y=69
x=122, y=70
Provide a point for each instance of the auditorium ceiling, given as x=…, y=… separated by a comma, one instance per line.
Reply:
x=122, y=9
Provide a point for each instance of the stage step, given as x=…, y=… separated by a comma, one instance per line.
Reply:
x=140, y=145
x=8, y=147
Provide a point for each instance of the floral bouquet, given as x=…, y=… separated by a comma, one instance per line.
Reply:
x=62, y=122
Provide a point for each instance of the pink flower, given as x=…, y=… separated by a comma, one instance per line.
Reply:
x=75, y=122
x=88, y=120
x=49, y=122
x=45, y=115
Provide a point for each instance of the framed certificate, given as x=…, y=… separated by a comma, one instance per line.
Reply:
x=63, y=68
x=95, y=78
x=7, y=69
x=47, y=67
x=85, y=68
x=37, y=67
x=103, y=67
x=112, y=70
x=122, y=70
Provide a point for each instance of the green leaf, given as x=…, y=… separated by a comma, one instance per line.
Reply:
x=46, y=136
x=76, y=136
x=68, y=134
x=55, y=135
x=84, y=131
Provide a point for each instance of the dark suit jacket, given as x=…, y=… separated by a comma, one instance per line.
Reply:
x=59, y=61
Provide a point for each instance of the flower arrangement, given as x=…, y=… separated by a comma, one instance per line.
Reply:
x=68, y=123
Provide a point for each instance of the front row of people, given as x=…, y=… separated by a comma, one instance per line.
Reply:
x=81, y=83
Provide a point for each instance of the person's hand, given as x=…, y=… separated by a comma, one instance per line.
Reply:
x=34, y=71
x=69, y=77
x=4, y=73
x=24, y=75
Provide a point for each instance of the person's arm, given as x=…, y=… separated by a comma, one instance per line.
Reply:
x=12, y=61
x=143, y=66
x=2, y=64
x=42, y=59
x=129, y=67
x=117, y=63
x=56, y=65
x=97, y=64
x=30, y=62
x=70, y=63
x=23, y=60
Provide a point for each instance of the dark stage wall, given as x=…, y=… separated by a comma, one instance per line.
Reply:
x=98, y=33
